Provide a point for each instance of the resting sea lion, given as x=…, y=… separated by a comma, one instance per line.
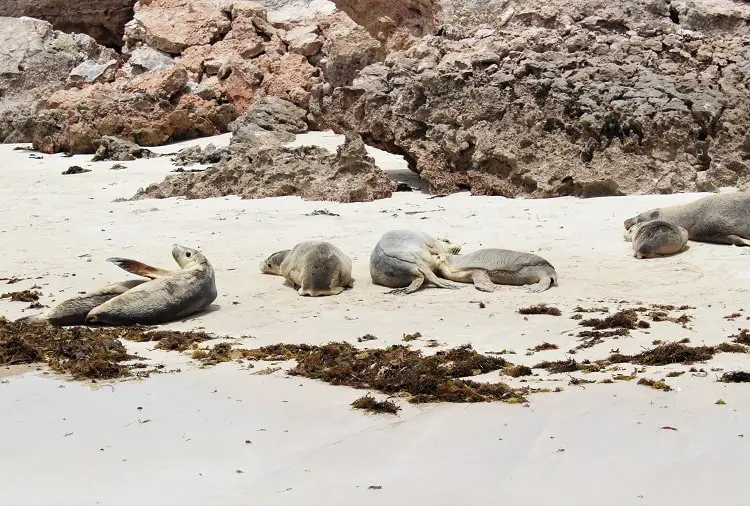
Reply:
x=722, y=218
x=656, y=237
x=405, y=259
x=316, y=267
x=485, y=267
x=169, y=295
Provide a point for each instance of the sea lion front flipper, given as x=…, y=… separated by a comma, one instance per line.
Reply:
x=139, y=268
x=482, y=281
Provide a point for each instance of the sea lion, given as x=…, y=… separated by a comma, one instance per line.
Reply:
x=169, y=295
x=722, y=218
x=485, y=267
x=405, y=259
x=74, y=311
x=316, y=267
x=656, y=237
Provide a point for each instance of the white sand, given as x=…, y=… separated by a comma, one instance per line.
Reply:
x=69, y=443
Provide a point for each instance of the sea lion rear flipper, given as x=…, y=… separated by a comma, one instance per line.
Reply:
x=139, y=268
x=482, y=281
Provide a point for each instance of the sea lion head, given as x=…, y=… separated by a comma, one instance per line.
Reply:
x=272, y=264
x=186, y=257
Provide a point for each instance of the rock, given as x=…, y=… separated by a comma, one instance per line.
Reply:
x=36, y=61
x=569, y=97
x=172, y=26
x=348, y=48
x=152, y=109
x=272, y=114
x=312, y=173
x=93, y=72
x=74, y=169
x=397, y=25
x=304, y=40
x=291, y=77
x=104, y=20
x=146, y=59
x=195, y=155
x=119, y=150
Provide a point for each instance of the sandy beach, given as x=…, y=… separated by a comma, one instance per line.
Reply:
x=223, y=435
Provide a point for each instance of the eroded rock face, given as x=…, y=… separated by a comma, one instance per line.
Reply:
x=104, y=20
x=257, y=164
x=587, y=98
x=149, y=110
x=36, y=61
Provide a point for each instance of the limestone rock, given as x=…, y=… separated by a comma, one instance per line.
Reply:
x=312, y=173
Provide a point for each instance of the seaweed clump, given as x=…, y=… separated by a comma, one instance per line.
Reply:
x=372, y=405
x=22, y=296
x=570, y=365
x=397, y=369
x=656, y=385
x=670, y=353
x=169, y=340
x=625, y=319
x=218, y=353
x=540, y=309
x=735, y=377
x=79, y=351
x=743, y=337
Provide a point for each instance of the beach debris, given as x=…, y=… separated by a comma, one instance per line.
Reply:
x=720, y=402
x=735, y=377
x=372, y=405
x=322, y=212
x=411, y=337
x=540, y=309
x=656, y=385
x=544, y=346
x=516, y=371
x=366, y=337
x=22, y=296
x=75, y=169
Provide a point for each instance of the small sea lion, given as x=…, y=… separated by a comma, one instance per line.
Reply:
x=405, y=259
x=656, y=237
x=74, y=311
x=487, y=267
x=722, y=218
x=316, y=267
x=169, y=295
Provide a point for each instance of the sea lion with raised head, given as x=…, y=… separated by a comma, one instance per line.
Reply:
x=405, y=259
x=722, y=218
x=316, y=268
x=487, y=267
x=169, y=295
x=656, y=238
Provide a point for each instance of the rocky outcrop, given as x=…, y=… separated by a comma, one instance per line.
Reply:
x=257, y=164
x=36, y=61
x=104, y=20
x=152, y=109
x=274, y=170
x=580, y=97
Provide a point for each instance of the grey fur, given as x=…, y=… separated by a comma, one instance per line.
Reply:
x=317, y=268
x=490, y=266
x=722, y=218
x=405, y=259
x=165, y=298
x=657, y=237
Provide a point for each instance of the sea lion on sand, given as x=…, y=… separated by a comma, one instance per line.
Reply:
x=74, y=311
x=169, y=295
x=656, y=237
x=405, y=259
x=722, y=218
x=485, y=267
x=316, y=267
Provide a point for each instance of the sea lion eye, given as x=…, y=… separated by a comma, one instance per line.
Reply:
x=188, y=254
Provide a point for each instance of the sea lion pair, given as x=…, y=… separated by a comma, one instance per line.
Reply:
x=164, y=296
x=722, y=218
x=405, y=259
